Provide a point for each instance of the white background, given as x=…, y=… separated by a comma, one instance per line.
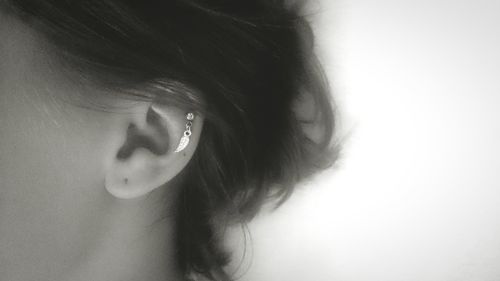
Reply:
x=416, y=194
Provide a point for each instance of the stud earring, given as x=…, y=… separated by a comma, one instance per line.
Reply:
x=183, y=143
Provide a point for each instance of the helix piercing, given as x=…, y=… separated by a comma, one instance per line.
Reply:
x=183, y=143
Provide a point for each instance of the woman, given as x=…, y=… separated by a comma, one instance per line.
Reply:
x=135, y=132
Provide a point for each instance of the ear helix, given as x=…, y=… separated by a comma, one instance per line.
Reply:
x=183, y=143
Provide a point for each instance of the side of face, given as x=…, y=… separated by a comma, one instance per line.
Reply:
x=50, y=175
x=55, y=157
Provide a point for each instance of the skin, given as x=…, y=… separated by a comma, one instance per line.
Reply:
x=57, y=219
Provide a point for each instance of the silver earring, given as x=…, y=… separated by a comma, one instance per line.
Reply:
x=183, y=143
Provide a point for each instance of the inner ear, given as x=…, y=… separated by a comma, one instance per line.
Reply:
x=153, y=137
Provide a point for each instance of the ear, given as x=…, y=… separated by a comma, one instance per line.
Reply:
x=146, y=157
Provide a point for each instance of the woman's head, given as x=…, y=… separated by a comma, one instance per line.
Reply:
x=94, y=95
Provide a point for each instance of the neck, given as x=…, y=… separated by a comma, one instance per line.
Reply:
x=136, y=243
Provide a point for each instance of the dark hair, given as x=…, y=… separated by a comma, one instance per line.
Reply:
x=243, y=64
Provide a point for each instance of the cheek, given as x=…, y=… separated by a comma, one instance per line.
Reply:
x=51, y=174
x=53, y=149
x=52, y=199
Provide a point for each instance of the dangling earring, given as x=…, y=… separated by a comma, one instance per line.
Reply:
x=187, y=133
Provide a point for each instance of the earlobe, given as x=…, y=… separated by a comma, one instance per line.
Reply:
x=153, y=152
